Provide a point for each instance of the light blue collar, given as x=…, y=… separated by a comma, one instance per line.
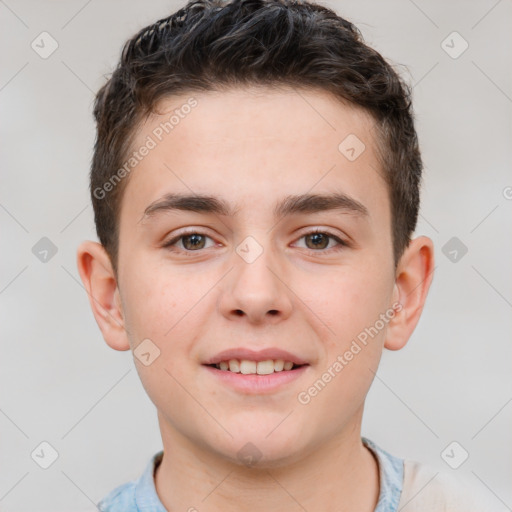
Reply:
x=391, y=473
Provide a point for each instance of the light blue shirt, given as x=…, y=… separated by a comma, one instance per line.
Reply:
x=140, y=495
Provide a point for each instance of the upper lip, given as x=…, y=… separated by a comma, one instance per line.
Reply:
x=255, y=355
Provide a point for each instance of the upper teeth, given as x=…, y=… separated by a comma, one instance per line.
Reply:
x=246, y=366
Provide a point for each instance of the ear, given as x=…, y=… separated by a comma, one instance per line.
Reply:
x=99, y=280
x=413, y=278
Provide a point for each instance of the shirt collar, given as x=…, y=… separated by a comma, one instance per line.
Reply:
x=146, y=498
x=391, y=475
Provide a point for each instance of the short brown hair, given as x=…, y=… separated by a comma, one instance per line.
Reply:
x=213, y=45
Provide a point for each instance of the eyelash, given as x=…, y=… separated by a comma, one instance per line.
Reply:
x=342, y=243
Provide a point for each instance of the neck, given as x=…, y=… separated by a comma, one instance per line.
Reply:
x=340, y=474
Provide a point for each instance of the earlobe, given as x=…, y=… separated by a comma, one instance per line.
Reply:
x=97, y=274
x=413, y=278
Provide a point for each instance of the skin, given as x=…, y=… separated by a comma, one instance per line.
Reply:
x=252, y=147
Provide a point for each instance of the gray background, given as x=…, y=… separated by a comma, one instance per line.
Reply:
x=60, y=382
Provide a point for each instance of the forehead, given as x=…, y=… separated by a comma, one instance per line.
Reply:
x=250, y=145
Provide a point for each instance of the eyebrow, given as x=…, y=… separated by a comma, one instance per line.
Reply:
x=290, y=205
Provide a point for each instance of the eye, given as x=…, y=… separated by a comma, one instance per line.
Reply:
x=191, y=241
x=318, y=241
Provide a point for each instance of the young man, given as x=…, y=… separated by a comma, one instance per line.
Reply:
x=255, y=183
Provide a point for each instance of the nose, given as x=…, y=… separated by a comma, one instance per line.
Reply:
x=256, y=289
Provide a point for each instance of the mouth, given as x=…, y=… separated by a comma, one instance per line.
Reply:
x=254, y=373
x=251, y=367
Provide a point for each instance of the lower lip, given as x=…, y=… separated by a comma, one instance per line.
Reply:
x=257, y=384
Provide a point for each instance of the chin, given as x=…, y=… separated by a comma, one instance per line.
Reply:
x=262, y=445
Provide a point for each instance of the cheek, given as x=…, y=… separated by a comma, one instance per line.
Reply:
x=162, y=307
x=159, y=301
x=168, y=307
x=348, y=301
x=352, y=350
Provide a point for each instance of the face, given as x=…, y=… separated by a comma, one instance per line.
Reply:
x=259, y=271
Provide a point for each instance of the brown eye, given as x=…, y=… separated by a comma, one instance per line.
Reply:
x=188, y=242
x=317, y=240
x=194, y=241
